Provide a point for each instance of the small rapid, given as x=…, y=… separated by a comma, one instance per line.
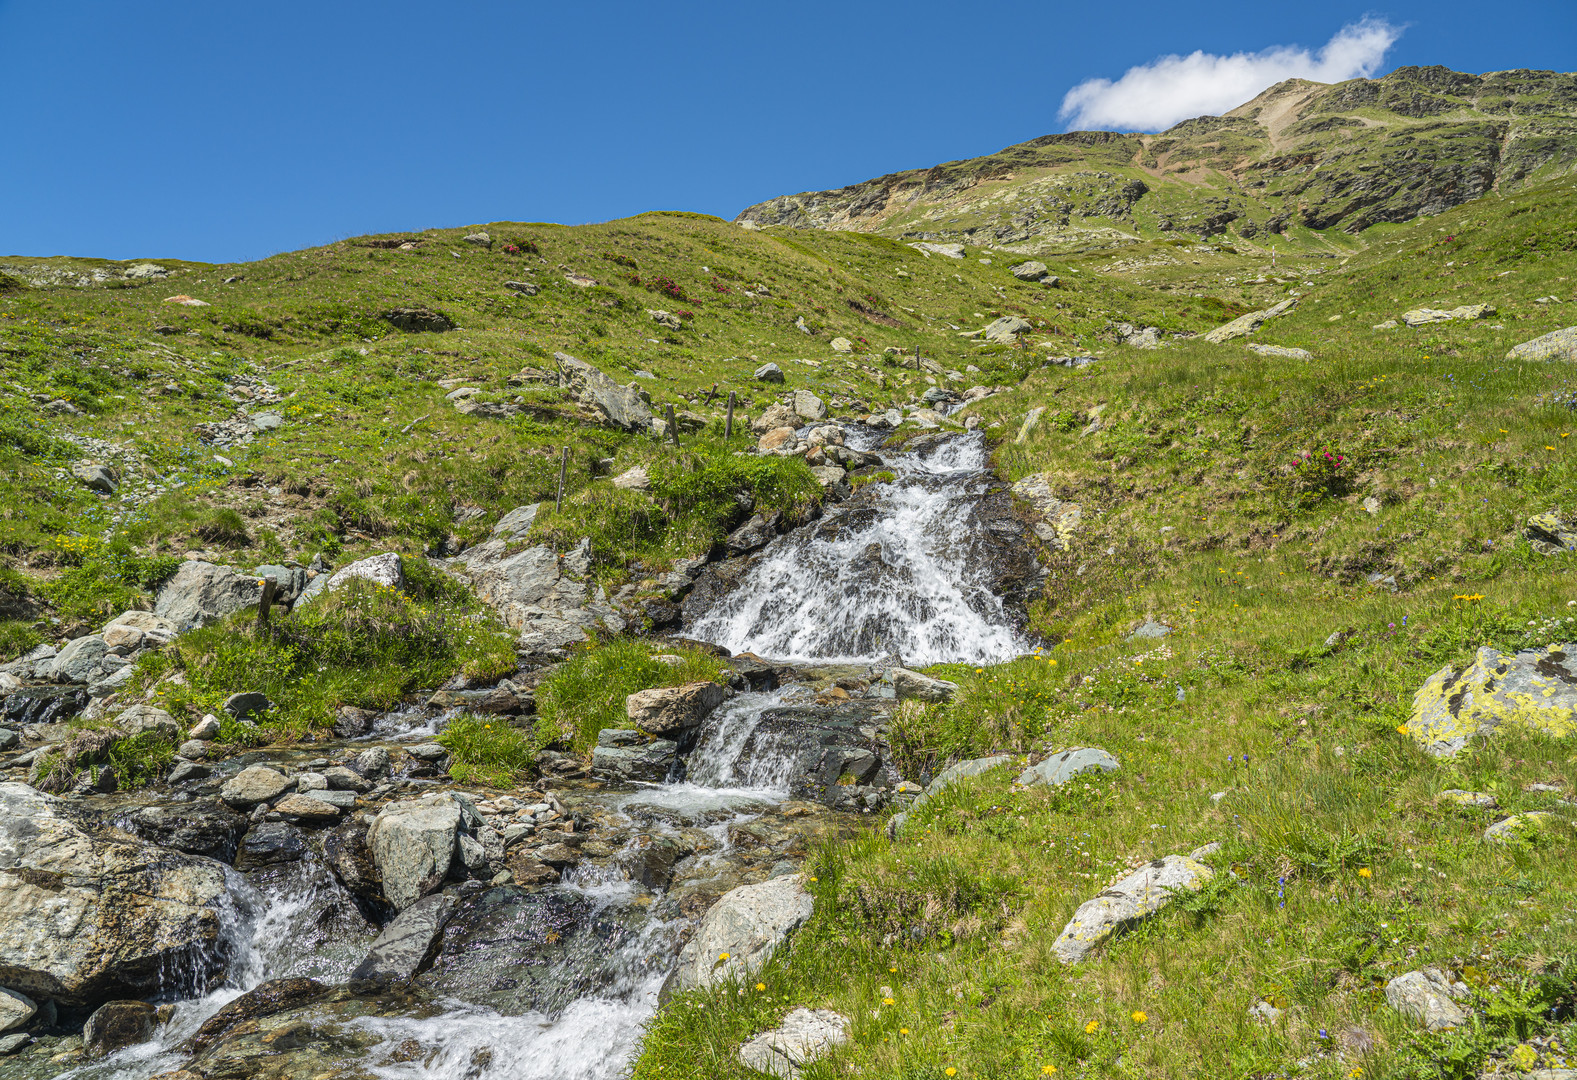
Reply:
x=907, y=575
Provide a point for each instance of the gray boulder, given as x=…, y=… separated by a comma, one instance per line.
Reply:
x=95, y=477
x=1029, y=271
x=1135, y=897
x=413, y=843
x=291, y=581
x=408, y=944
x=1429, y=996
x=480, y=239
x=1467, y=312
x=1535, y=689
x=141, y=718
x=1005, y=331
x=1063, y=766
x=1556, y=345
x=1548, y=534
x=774, y=417
x=79, y=661
x=15, y=1009
x=621, y=754
x=741, y=931
x=253, y=785
x=386, y=570
x=534, y=592
x=1245, y=325
x=1280, y=352
x=139, y=629
x=669, y=710
x=769, y=373
x=802, y=1037
x=201, y=593
x=87, y=916
x=248, y=703
x=622, y=406
x=807, y=406
x=913, y=685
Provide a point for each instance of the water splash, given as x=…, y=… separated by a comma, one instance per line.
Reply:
x=908, y=575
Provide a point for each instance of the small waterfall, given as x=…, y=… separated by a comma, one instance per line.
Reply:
x=905, y=576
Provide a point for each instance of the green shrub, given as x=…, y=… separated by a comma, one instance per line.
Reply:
x=102, y=578
x=587, y=692
x=362, y=645
x=141, y=759
x=487, y=750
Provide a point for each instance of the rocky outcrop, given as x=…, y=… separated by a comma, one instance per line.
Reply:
x=1534, y=689
x=1136, y=896
x=201, y=593
x=741, y=932
x=385, y=571
x=671, y=710
x=1064, y=765
x=88, y=915
x=1058, y=520
x=802, y=1037
x=1556, y=345
x=1244, y=325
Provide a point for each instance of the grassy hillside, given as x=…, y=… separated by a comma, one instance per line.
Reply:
x=1302, y=621
x=1304, y=166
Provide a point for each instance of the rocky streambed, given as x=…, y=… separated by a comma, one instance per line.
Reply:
x=347, y=910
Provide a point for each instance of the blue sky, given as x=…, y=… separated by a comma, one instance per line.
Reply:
x=227, y=131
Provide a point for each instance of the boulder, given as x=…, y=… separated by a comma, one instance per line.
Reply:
x=270, y=843
x=141, y=718
x=200, y=593
x=636, y=479
x=116, y=1025
x=408, y=944
x=841, y=345
x=1029, y=271
x=384, y=570
x=253, y=785
x=1005, y=331
x=622, y=406
x=1479, y=800
x=536, y=592
x=769, y=373
x=755, y=533
x=94, y=477
x=741, y=931
x=1550, y=535
x=1517, y=827
x=1429, y=996
x=306, y=810
x=1425, y=316
x=1534, y=689
x=139, y=629
x=775, y=438
x=913, y=685
x=1556, y=345
x=480, y=239
x=412, y=844
x=802, y=1037
x=248, y=703
x=951, y=251
x=1135, y=897
x=621, y=754
x=1245, y=325
x=517, y=522
x=290, y=581
x=206, y=729
x=79, y=661
x=418, y=320
x=807, y=406
x=1280, y=351
x=89, y=915
x=15, y=1009
x=774, y=417
x=1064, y=765
x=203, y=826
x=668, y=710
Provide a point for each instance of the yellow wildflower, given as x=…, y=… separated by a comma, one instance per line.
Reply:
x=1138, y=1017
x=1092, y=1027
x=1365, y=872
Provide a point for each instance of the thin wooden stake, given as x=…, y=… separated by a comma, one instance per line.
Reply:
x=673, y=428
x=270, y=587
x=728, y=425
x=558, y=503
x=712, y=393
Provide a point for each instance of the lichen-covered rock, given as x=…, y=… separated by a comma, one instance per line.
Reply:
x=621, y=406
x=385, y=570
x=1549, y=535
x=741, y=931
x=1534, y=689
x=1556, y=345
x=1059, y=520
x=802, y=1037
x=1064, y=765
x=669, y=710
x=89, y=914
x=1429, y=996
x=413, y=844
x=1425, y=316
x=1136, y=896
x=1245, y=325
x=1281, y=352
x=1518, y=827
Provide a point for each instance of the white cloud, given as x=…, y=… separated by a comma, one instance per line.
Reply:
x=1154, y=96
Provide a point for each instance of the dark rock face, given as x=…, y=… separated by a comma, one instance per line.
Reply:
x=837, y=759
x=117, y=1024
x=199, y=827
x=271, y=842
x=265, y=1000
x=418, y=320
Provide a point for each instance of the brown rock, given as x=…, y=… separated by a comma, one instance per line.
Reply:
x=264, y=1000
x=775, y=438
x=529, y=872
x=556, y=855
x=671, y=709
x=307, y=810
x=117, y=1024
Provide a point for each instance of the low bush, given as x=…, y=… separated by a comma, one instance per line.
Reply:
x=487, y=750
x=587, y=692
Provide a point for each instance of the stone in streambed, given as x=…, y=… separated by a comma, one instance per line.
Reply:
x=15, y=1009
x=668, y=710
x=305, y=810
x=253, y=785
x=621, y=754
x=118, y=1024
x=741, y=931
x=407, y=945
x=1136, y=896
x=200, y=827
x=413, y=843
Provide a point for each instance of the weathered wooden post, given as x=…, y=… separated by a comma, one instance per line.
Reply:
x=673, y=428
x=728, y=424
x=270, y=587
x=558, y=503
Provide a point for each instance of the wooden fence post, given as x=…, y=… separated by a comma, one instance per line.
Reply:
x=270, y=587
x=728, y=424
x=558, y=503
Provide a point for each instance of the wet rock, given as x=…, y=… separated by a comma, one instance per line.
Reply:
x=621, y=754
x=802, y=1037
x=528, y=872
x=1556, y=345
x=1064, y=765
x=1135, y=897
x=10, y=1044
x=1518, y=827
x=15, y=1009
x=755, y=533
x=909, y=685
x=269, y=843
x=621, y=406
x=352, y=723
x=118, y=1024
x=187, y=770
x=408, y=944
x=201, y=593
x=200, y=827
x=413, y=844
x=1535, y=689
x=306, y=810
x=347, y=855
x=668, y=711
x=370, y=764
x=741, y=932
x=1429, y=996
x=1247, y=324
x=253, y=785
x=87, y=915
x=267, y=999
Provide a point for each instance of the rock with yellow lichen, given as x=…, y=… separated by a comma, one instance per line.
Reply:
x=1535, y=689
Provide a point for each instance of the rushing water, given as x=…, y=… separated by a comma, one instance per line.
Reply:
x=906, y=577
x=901, y=576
